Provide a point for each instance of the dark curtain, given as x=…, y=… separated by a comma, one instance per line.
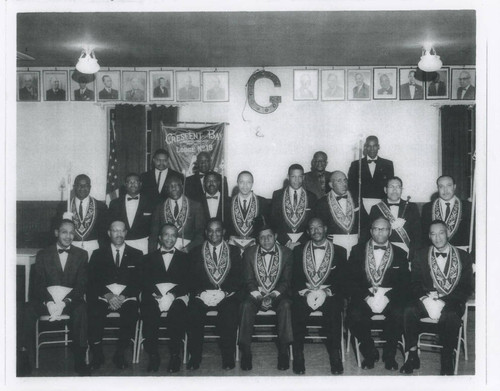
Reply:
x=161, y=115
x=457, y=141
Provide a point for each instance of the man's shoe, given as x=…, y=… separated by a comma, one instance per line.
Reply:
x=119, y=360
x=97, y=357
x=371, y=358
x=154, y=362
x=81, y=368
x=447, y=367
x=246, y=358
x=283, y=360
x=391, y=364
x=23, y=363
x=228, y=360
x=175, y=363
x=193, y=363
x=336, y=367
x=299, y=363
x=411, y=363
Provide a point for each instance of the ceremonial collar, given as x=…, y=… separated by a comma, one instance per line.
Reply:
x=292, y=190
x=451, y=201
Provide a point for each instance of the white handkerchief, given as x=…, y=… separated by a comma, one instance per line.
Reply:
x=181, y=243
x=241, y=243
x=212, y=297
x=294, y=237
x=316, y=298
x=379, y=300
x=165, y=287
x=433, y=307
x=165, y=302
x=58, y=292
x=116, y=289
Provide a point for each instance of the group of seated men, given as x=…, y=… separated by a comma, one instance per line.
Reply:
x=179, y=246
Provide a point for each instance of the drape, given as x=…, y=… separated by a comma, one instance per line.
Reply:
x=161, y=115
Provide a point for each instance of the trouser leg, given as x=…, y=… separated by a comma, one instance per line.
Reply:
x=249, y=309
x=358, y=317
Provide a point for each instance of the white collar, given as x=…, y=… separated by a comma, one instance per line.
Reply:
x=242, y=197
x=451, y=201
x=215, y=195
x=114, y=248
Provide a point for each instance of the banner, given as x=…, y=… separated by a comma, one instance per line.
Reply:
x=184, y=145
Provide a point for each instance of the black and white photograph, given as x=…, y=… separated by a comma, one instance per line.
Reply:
x=385, y=83
x=411, y=84
x=215, y=86
x=437, y=84
x=134, y=86
x=161, y=85
x=359, y=82
x=188, y=85
x=108, y=85
x=463, y=84
x=28, y=86
x=82, y=87
x=55, y=85
x=305, y=84
x=332, y=84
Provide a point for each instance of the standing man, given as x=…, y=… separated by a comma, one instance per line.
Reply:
x=341, y=213
x=194, y=184
x=135, y=210
x=212, y=202
x=441, y=283
x=450, y=209
x=267, y=273
x=411, y=90
x=83, y=93
x=466, y=89
x=403, y=216
x=291, y=209
x=165, y=266
x=374, y=174
x=154, y=181
x=361, y=89
x=378, y=281
x=108, y=92
x=113, y=287
x=60, y=266
x=216, y=282
x=317, y=285
x=316, y=181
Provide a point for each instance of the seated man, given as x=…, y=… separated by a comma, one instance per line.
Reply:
x=317, y=284
x=377, y=282
x=216, y=284
x=165, y=288
x=267, y=269
x=113, y=287
x=64, y=266
x=212, y=202
x=441, y=281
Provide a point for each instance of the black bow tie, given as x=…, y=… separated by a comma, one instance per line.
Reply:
x=338, y=198
x=212, y=197
x=319, y=247
x=132, y=198
x=264, y=253
x=63, y=250
x=167, y=252
x=371, y=161
x=444, y=255
x=380, y=248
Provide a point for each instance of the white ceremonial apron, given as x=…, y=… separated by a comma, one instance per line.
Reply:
x=181, y=243
x=241, y=243
x=294, y=237
x=346, y=241
x=369, y=203
x=139, y=244
x=88, y=245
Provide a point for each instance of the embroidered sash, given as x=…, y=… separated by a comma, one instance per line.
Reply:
x=454, y=218
x=386, y=212
x=316, y=278
x=244, y=225
x=344, y=220
x=294, y=216
x=445, y=283
x=268, y=278
x=84, y=227
x=181, y=219
x=376, y=275
x=217, y=272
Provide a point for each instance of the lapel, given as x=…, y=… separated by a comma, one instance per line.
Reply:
x=124, y=260
x=70, y=266
x=57, y=261
x=123, y=211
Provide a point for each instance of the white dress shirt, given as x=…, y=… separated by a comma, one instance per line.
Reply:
x=167, y=258
x=372, y=166
x=63, y=257
x=442, y=205
x=319, y=255
x=292, y=191
x=85, y=205
x=121, y=250
x=172, y=205
x=379, y=254
x=246, y=198
x=164, y=174
x=394, y=208
x=131, y=208
x=412, y=91
x=464, y=91
x=342, y=202
x=441, y=261
x=218, y=250
x=213, y=204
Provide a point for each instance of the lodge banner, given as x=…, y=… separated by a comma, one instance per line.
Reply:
x=184, y=144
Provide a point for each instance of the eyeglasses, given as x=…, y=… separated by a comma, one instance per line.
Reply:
x=395, y=187
x=377, y=229
x=463, y=78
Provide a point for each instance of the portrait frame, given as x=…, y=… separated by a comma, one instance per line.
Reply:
x=306, y=93
x=334, y=95
x=154, y=77
x=138, y=94
x=211, y=91
x=379, y=92
x=115, y=77
x=22, y=76
x=404, y=89
x=430, y=90
x=48, y=77
x=74, y=77
x=185, y=92
x=455, y=82
x=366, y=93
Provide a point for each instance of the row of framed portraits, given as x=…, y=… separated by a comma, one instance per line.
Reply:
x=130, y=86
x=384, y=84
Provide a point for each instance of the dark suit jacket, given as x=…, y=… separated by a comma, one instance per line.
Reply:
x=383, y=91
x=104, y=94
x=405, y=92
x=150, y=187
x=25, y=95
x=60, y=94
x=283, y=286
x=157, y=92
x=441, y=89
x=135, y=95
x=363, y=93
x=88, y=95
x=469, y=94
x=264, y=211
x=227, y=211
x=311, y=183
x=103, y=271
x=194, y=190
x=47, y=272
x=422, y=283
x=142, y=221
x=278, y=219
x=396, y=277
x=370, y=187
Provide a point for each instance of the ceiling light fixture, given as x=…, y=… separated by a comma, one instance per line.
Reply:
x=87, y=63
x=430, y=61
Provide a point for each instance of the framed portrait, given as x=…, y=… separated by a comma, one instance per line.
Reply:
x=463, y=84
x=134, y=86
x=411, y=84
x=305, y=84
x=215, y=86
x=188, y=84
x=437, y=84
x=28, y=86
x=82, y=87
x=55, y=85
x=359, y=83
x=332, y=84
x=161, y=85
x=385, y=83
x=108, y=85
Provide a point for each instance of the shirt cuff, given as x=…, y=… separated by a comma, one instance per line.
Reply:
x=277, y=293
x=255, y=294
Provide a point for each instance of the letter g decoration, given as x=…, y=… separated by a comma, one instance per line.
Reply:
x=275, y=100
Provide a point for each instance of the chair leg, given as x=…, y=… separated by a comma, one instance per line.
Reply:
x=237, y=358
x=465, y=319
x=342, y=346
x=37, y=347
x=135, y=340
x=457, y=355
x=358, y=353
x=185, y=348
x=139, y=343
x=348, y=340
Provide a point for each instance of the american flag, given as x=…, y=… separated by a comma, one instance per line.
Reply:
x=112, y=185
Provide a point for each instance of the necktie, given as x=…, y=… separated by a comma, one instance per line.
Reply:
x=212, y=197
x=444, y=255
x=132, y=198
x=176, y=209
x=371, y=161
x=80, y=210
x=264, y=253
x=319, y=248
x=167, y=252
x=447, y=211
x=340, y=197
x=63, y=250
x=380, y=248
x=295, y=198
x=245, y=206
x=215, y=256
x=159, y=181
x=117, y=258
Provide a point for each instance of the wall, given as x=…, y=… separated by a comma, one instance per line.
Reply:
x=50, y=135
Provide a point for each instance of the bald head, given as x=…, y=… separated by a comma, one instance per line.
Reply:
x=338, y=182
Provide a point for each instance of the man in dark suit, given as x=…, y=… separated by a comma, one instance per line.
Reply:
x=213, y=203
x=385, y=86
x=154, y=181
x=29, y=91
x=317, y=285
x=291, y=209
x=361, y=89
x=55, y=93
x=114, y=264
x=441, y=283
x=403, y=216
x=316, y=181
x=437, y=87
x=136, y=93
x=162, y=90
x=466, y=89
x=267, y=274
x=216, y=282
x=194, y=183
x=136, y=211
x=411, y=90
x=83, y=93
x=453, y=211
x=374, y=174
x=185, y=214
x=377, y=284
x=165, y=265
x=63, y=265
x=108, y=93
